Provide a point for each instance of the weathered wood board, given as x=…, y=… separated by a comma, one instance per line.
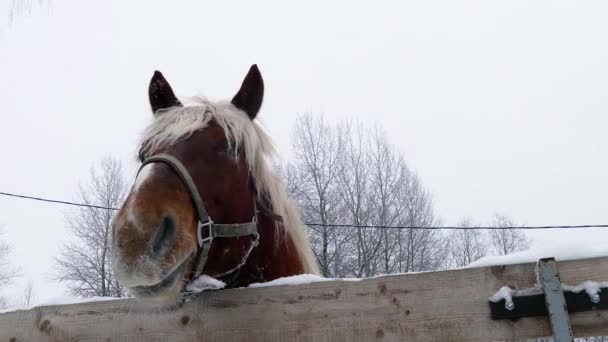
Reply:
x=435, y=306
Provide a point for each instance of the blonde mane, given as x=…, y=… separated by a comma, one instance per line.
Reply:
x=177, y=123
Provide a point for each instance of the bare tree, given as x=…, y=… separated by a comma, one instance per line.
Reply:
x=86, y=263
x=420, y=249
x=399, y=199
x=350, y=174
x=28, y=295
x=506, y=241
x=23, y=7
x=312, y=181
x=466, y=245
x=389, y=176
x=354, y=184
x=7, y=272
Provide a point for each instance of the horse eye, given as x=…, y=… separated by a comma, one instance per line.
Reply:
x=231, y=151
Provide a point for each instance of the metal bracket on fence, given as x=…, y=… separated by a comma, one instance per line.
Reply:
x=548, y=278
x=550, y=298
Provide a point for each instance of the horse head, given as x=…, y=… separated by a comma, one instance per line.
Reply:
x=205, y=200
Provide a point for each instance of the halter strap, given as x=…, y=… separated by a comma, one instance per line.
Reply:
x=214, y=230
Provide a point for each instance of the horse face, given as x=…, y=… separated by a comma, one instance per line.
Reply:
x=154, y=240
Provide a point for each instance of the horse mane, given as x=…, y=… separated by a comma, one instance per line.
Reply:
x=178, y=123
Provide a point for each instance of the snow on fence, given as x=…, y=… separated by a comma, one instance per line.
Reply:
x=435, y=306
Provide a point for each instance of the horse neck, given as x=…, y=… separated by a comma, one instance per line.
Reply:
x=276, y=255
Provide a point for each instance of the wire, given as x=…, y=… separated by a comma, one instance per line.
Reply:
x=56, y=201
x=457, y=227
x=314, y=224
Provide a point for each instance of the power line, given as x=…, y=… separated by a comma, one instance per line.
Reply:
x=457, y=227
x=57, y=201
x=314, y=224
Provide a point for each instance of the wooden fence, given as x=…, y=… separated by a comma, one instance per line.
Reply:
x=436, y=306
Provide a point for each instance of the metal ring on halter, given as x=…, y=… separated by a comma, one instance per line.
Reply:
x=199, y=232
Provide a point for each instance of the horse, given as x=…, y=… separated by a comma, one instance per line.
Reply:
x=205, y=200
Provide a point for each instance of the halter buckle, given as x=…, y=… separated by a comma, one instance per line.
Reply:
x=199, y=232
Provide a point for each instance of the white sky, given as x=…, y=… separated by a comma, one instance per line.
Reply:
x=500, y=106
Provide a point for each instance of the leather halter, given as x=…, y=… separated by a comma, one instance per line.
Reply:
x=215, y=230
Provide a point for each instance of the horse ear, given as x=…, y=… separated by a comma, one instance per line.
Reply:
x=160, y=93
x=249, y=97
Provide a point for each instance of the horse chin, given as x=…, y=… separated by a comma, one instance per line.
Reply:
x=165, y=292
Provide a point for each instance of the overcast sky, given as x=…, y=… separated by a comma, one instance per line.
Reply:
x=499, y=106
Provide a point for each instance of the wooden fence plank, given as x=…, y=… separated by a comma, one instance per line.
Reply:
x=435, y=306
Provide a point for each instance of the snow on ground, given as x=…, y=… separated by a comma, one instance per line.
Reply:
x=562, y=250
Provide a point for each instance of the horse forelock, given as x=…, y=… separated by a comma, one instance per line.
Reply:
x=177, y=123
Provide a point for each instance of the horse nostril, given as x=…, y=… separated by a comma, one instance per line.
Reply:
x=165, y=234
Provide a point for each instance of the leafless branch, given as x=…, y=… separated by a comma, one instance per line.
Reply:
x=86, y=263
x=507, y=241
x=350, y=173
